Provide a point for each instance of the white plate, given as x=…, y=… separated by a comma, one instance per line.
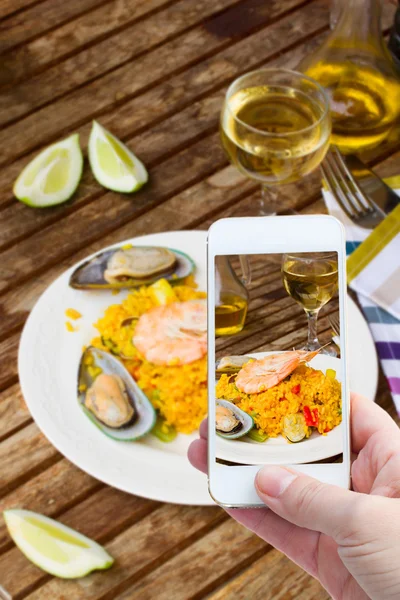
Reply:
x=278, y=451
x=48, y=363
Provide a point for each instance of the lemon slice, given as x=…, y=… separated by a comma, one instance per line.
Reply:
x=55, y=548
x=53, y=176
x=114, y=166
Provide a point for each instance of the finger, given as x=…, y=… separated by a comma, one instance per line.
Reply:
x=204, y=429
x=305, y=501
x=366, y=419
x=197, y=455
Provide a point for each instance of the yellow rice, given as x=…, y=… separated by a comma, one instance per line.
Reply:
x=317, y=391
x=178, y=393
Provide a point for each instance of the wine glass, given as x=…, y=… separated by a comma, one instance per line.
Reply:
x=311, y=278
x=275, y=127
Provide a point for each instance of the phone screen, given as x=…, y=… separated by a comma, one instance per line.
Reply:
x=278, y=367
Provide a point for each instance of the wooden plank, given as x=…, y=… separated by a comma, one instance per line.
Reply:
x=254, y=56
x=260, y=322
x=217, y=555
x=18, y=220
x=125, y=81
x=219, y=189
x=8, y=7
x=22, y=456
x=8, y=360
x=70, y=27
x=13, y=411
x=272, y=577
x=214, y=196
x=117, y=22
x=139, y=549
x=119, y=48
x=101, y=516
x=259, y=309
x=130, y=120
x=69, y=38
x=275, y=333
x=265, y=329
x=52, y=492
x=183, y=210
x=297, y=335
x=94, y=220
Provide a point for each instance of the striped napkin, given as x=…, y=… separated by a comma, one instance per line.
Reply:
x=373, y=266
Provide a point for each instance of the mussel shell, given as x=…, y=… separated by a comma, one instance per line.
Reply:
x=145, y=415
x=90, y=274
x=244, y=418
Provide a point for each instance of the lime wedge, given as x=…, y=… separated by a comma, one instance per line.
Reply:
x=55, y=548
x=114, y=166
x=53, y=176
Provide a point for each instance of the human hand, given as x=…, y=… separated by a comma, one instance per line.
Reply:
x=348, y=540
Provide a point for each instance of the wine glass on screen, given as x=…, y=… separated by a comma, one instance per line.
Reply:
x=312, y=280
x=275, y=127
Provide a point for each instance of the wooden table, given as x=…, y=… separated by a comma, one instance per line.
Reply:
x=154, y=72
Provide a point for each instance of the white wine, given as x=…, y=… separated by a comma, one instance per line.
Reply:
x=230, y=314
x=273, y=133
x=311, y=283
x=364, y=103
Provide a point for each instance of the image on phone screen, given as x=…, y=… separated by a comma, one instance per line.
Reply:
x=278, y=397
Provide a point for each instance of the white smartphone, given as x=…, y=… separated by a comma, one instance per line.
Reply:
x=277, y=382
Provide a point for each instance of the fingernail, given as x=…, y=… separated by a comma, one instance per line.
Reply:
x=273, y=481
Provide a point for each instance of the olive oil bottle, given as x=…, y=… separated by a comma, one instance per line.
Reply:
x=358, y=73
x=231, y=295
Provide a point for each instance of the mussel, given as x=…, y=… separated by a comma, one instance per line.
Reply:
x=231, y=364
x=108, y=399
x=230, y=421
x=294, y=427
x=131, y=266
x=111, y=398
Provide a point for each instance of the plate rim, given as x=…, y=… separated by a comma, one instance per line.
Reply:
x=197, y=492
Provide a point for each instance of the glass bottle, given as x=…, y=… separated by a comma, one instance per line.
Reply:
x=394, y=41
x=231, y=296
x=336, y=7
x=358, y=73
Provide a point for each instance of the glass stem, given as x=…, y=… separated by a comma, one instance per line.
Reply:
x=336, y=9
x=267, y=201
x=312, y=342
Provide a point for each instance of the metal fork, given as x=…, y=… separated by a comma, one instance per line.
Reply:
x=335, y=324
x=357, y=206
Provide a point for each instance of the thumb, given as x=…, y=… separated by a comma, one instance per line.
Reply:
x=307, y=502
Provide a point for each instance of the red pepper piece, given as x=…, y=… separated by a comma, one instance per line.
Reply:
x=311, y=417
x=327, y=429
x=296, y=389
x=307, y=416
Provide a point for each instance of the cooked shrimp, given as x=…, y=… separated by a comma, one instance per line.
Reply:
x=260, y=375
x=174, y=334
